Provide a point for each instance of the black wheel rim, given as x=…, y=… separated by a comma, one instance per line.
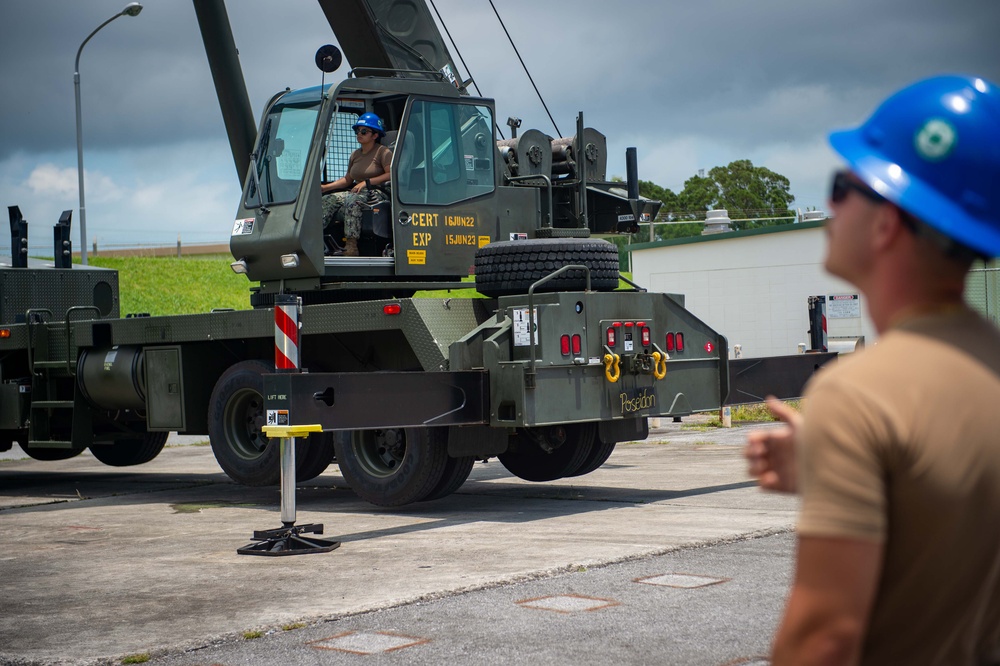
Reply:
x=379, y=452
x=244, y=422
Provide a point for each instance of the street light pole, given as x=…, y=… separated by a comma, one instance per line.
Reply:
x=131, y=9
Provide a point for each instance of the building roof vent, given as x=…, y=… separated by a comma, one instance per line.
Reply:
x=716, y=222
x=812, y=216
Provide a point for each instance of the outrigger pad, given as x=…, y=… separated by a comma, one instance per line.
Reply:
x=288, y=541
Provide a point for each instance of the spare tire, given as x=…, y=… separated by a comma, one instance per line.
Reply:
x=511, y=267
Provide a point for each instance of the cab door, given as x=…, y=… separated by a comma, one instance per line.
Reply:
x=444, y=180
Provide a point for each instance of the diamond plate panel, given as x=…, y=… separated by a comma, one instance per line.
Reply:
x=57, y=289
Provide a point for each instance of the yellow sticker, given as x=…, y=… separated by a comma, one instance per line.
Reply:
x=484, y=240
x=416, y=257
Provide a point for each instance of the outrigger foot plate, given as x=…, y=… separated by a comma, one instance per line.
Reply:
x=288, y=540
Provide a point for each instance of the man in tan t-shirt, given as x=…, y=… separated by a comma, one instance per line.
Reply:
x=897, y=451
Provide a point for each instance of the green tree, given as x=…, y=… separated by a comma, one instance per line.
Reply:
x=749, y=191
x=651, y=190
x=700, y=193
x=745, y=190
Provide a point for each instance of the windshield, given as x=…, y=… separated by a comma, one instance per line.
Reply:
x=282, y=149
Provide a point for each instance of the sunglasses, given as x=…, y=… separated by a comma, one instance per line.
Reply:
x=843, y=184
x=363, y=131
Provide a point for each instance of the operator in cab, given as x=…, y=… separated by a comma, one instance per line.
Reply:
x=368, y=168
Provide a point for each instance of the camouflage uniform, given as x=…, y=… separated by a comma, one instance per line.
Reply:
x=351, y=204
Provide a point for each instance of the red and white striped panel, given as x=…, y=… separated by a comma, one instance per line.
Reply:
x=286, y=337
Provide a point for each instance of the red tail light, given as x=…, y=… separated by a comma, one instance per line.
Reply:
x=392, y=309
x=680, y=342
x=611, y=337
x=670, y=342
x=564, y=345
x=577, y=344
x=645, y=336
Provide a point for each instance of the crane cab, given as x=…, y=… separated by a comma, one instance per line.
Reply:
x=443, y=189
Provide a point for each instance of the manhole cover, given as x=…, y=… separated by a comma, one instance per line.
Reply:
x=367, y=642
x=568, y=603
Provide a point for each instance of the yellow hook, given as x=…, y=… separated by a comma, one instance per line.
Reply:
x=611, y=360
x=659, y=365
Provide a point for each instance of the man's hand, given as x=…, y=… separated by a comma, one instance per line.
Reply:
x=771, y=453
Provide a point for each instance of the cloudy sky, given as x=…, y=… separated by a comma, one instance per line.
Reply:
x=692, y=84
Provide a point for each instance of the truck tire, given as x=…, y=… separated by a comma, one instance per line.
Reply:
x=456, y=471
x=8, y=438
x=511, y=267
x=49, y=455
x=235, y=421
x=395, y=466
x=317, y=457
x=599, y=455
x=571, y=445
x=131, y=451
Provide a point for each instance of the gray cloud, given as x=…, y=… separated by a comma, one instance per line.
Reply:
x=725, y=79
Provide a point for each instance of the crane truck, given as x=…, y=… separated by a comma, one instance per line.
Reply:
x=547, y=369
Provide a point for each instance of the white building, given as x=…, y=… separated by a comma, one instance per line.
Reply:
x=754, y=286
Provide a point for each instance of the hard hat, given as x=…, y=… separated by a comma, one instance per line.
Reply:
x=933, y=149
x=371, y=121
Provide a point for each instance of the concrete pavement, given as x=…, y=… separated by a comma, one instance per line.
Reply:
x=101, y=562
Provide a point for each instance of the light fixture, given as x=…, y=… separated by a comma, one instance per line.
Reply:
x=290, y=260
x=131, y=9
x=239, y=267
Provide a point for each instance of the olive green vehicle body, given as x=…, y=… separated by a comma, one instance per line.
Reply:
x=546, y=361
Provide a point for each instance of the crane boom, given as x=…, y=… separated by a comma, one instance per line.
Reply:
x=390, y=35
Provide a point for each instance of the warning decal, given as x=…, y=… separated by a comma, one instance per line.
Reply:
x=277, y=417
x=843, y=306
x=243, y=227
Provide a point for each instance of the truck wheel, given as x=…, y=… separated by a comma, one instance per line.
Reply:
x=131, y=451
x=570, y=446
x=395, y=466
x=53, y=454
x=599, y=454
x=317, y=457
x=8, y=438
x=235, y=421
x=456, y=471
x=511, y=267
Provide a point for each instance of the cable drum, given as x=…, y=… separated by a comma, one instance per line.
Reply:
x=511, y=267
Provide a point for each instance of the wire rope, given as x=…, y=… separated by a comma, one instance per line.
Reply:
x=525, y=67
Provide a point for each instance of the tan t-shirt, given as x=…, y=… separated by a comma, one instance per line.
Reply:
x=375, y=163
x=901, y=445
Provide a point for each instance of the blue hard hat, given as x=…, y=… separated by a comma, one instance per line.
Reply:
x=371, y=121
x=933, y=149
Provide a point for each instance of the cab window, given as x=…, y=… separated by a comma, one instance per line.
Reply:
x=282, y=149
x=445, y=153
